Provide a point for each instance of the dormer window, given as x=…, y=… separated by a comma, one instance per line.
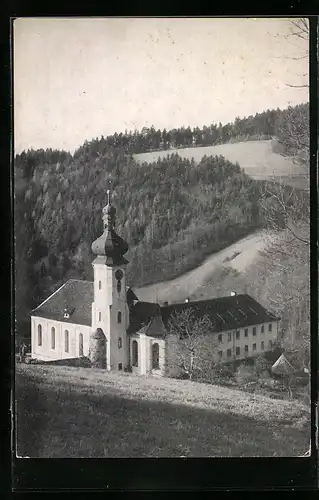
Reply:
x=66, y=313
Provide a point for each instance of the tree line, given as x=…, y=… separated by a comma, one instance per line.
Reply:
x=263, y=125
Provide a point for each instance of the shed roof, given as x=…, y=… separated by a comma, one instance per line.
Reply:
x=282, y=366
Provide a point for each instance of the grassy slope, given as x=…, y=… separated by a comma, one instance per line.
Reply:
x=257, y=158
x=191, y=283
x=76, y=412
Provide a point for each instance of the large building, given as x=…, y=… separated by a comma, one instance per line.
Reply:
x=105, y=321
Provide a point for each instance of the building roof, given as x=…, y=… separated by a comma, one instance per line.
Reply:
x=141, y=314
x=282, y=366
x=76, y=295
x=225, y=313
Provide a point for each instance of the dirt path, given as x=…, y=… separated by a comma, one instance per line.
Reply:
x=239, y=255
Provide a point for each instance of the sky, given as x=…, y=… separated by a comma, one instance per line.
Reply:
x=75, y=79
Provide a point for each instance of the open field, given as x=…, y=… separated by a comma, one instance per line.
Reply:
x=78, y=412
x=257, y=158
x=239, y=256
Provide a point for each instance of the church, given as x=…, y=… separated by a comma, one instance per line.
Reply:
x=104, y=320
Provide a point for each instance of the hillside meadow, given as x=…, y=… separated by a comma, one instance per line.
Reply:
x=261, y=160
x=77, y=412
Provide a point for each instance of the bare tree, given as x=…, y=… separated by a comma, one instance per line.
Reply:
x=286, y=210
x=193, y=347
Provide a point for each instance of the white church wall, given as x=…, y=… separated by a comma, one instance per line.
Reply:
x=46, y=352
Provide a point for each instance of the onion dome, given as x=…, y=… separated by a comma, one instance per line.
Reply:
x=110, y=244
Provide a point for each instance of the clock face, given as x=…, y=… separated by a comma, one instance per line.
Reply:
x=119, y=274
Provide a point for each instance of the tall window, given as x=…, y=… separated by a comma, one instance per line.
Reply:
x=254, y=331
x=100, y=285
x=66, y=340
x=262, y=346
x=228, y=353
x=229, y=337
x=246, y=349
x=119, y=317
x=220, y=338
x=119, y=286
x=237, y=334
x=155, y=356
x=220, y=354
x=39, y=335
x=134, y=353
x=100, y=315
x=246, y=332
x=262, y=329
x=80, y=344
x=254, y=347
x=237, y=351
x=52, y=337
x=119, y=342
x=270, y=327
x=270, y=344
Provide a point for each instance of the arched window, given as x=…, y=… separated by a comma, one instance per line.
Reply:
x=81, y=344
x=119, y=317
x=119, y=286
x=120, y=342
x=39, y=335
x=134, y=353
x=100, y=316
x=66, y=340
x=52, y=337
x=155, y=356
x=100, y=285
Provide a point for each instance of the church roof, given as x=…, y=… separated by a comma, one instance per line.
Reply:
x=225, y=313
x=141, y=314
x=76, y=296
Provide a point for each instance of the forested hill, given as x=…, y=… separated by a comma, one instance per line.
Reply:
x=260, y=126
x=172, y=213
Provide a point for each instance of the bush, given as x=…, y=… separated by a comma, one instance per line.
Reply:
x=245, y=375
x=262, y=366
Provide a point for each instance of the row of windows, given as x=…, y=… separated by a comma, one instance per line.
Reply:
x=155, y=355
x=66, y=340
x=246, y=349
x=262, y=330
x=119, y=317
x=118, y=286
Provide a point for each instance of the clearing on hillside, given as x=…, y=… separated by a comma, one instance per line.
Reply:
x=77, y=412
x=257, y=158
x=239, y=255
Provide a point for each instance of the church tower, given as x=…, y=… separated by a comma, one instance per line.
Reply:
x=110, y=313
